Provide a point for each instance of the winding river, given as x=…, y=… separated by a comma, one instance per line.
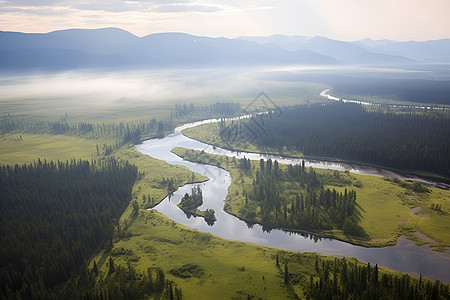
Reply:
x=405, y=256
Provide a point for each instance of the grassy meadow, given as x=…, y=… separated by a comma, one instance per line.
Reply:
x=21, y=148
x=230, y=269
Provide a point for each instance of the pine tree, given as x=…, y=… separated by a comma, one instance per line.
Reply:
x=112, y=267
x=286, y=273
x=95, y=268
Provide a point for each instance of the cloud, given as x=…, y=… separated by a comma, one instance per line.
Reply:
x=19, y=3
x=101, y=5
x=41, y=11
x=178, y=7
x=111, y=5
x=161, y=6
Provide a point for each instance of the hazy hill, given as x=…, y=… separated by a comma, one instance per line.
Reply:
x=116, y=48
x=427, y=51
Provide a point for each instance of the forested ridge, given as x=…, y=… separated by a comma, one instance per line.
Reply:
x=53, y=216
x=348, y=131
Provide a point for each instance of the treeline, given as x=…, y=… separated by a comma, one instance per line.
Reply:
x=340, y=279
x=54, y=215
x=409, y=90
x=295, y=198
x=348, y=131
x=124, y=132
x=223, y=109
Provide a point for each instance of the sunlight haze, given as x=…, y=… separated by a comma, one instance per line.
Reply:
x=345, y=20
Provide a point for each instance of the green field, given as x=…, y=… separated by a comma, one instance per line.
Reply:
x=158, y=241
x=385, y=205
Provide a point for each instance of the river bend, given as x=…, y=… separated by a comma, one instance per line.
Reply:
x=405, y=256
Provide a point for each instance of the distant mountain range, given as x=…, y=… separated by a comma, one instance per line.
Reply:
x=364, y=51
x=116, y=48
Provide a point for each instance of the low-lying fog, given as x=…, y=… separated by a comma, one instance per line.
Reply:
x=104, y=89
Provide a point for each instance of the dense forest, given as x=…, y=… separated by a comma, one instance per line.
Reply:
x=54, y=215
x=348, y=131
x=295, y=198
x=410, y=90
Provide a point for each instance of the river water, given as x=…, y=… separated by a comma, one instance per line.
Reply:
x=405, y=256
x=325, y=93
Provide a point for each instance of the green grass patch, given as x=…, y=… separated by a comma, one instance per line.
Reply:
x=188, y=270
x=23, y=148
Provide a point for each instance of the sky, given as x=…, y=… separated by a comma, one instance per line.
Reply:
x=348, y=20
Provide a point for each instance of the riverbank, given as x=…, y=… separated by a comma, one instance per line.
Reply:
x=385, y=103
x=385, y=205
